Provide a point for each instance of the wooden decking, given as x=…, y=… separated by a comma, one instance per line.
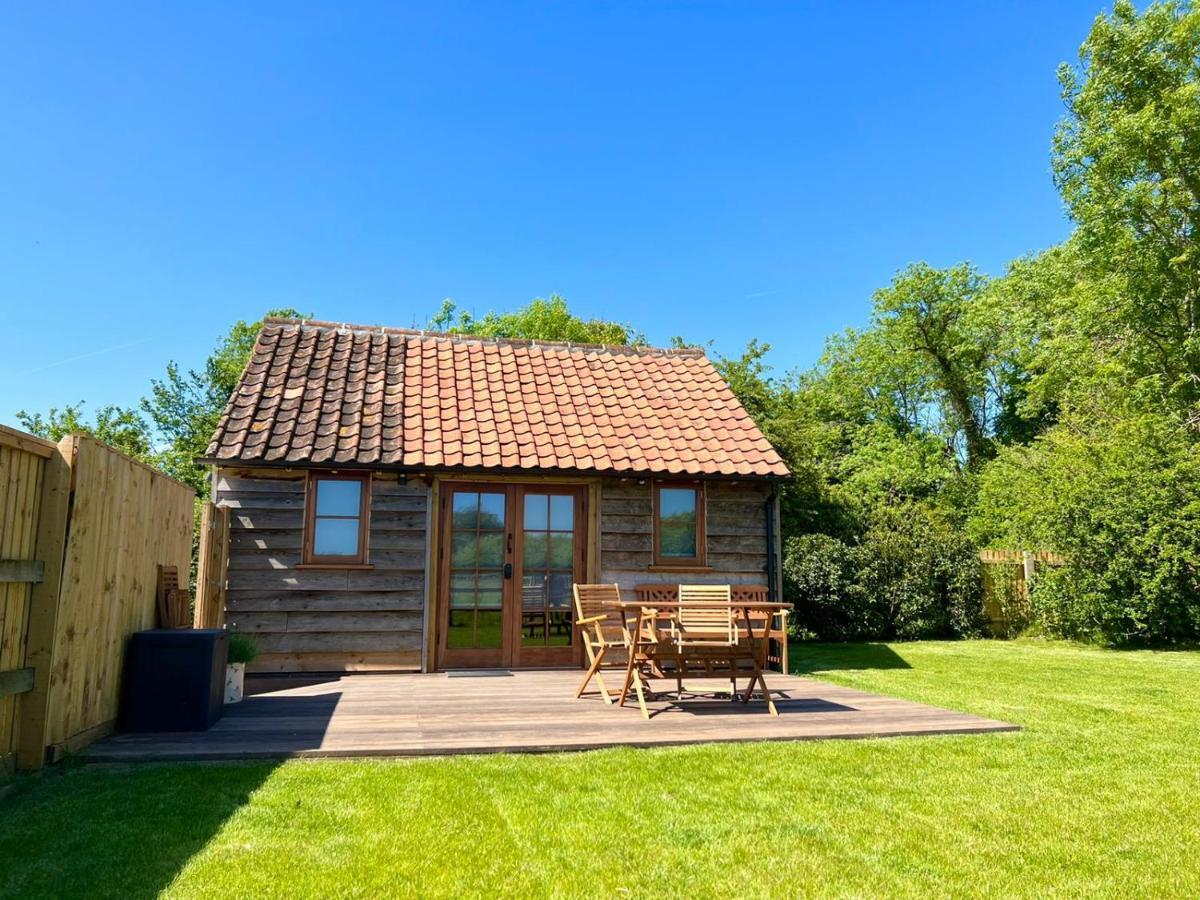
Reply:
x=524, y=711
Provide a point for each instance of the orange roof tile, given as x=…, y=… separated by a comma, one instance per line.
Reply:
x=320, y=392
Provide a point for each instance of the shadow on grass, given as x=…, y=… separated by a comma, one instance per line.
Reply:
x=806, y=658
x=116, y=830
x=125, y=829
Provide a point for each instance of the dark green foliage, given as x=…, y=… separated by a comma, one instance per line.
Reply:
x=1117, y=492
x=242, y=648
x=908, y=576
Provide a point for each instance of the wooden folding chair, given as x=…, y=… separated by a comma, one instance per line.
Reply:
x=705, y=617
x=599, y=618
x=173, y=603
x=705, y=624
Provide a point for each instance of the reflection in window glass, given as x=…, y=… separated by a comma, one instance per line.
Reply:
x=335, y=537
x=476, y=570
x=562, y=512
x=336, y=519
x=548, y=567
x=336, y=497
x=677, y=523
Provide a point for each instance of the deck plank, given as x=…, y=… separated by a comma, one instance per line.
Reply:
x=422, y=715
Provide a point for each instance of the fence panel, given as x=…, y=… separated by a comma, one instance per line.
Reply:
x=1006, y=577
x=22, y=464
x=83, y=529
x=127, y=519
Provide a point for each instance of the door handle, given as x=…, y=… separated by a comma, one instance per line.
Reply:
x=508, y=570
x=510, y=543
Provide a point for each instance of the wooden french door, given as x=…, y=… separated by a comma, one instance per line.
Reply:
x=509, y=556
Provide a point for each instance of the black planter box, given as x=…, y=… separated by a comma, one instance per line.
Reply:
x=174, y=679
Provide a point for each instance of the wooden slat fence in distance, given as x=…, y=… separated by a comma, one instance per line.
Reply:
x=1006, y=577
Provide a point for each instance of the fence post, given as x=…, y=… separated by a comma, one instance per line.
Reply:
x=33, y=706
x=211, y=571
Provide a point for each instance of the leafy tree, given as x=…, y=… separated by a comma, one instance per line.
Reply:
x=1127, y=161
x=185, y=407
x=542, y=320
x=121, y=428
x=927, y=326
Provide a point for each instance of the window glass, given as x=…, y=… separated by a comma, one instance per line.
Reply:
x=337, y=497
x=547, y=564
x=336, y=519
x=491, y=511
x=562, y=512
x=677, y=523
x=335, y=537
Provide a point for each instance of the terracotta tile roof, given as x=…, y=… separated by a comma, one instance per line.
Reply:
x=323, y=393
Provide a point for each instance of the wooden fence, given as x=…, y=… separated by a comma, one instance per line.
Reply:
x=83, y=530
x=213, y=566
x=1006, y=578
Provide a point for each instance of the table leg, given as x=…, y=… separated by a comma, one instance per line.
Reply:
x=758, y=659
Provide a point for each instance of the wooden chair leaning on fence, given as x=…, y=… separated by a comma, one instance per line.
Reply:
x=600, y=621
x=173, y=603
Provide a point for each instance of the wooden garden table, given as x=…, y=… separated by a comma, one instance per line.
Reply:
x=648, y=648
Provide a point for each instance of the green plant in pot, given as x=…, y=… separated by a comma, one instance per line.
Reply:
x=242, y=650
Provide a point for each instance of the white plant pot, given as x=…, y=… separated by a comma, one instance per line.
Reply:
x=235, y=680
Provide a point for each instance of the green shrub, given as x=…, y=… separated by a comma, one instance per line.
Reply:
x=908, y=576
x=242, y=648
x=818, y=574
x=1118, y=495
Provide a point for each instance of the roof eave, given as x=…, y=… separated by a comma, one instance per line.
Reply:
x=491, y=470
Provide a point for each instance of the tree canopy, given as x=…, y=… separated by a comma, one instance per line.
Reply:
x=540, y=319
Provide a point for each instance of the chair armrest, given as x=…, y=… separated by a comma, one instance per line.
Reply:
x=590, y=619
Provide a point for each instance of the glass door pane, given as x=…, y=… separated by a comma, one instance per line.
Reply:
x=476, y=571
x=547, y=569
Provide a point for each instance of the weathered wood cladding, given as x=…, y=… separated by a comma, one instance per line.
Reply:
x=736, y=534
x=324, y=619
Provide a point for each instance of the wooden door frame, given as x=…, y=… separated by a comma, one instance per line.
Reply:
x=477, y=657
x=437, y=597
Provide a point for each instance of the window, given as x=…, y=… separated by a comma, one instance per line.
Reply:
x=678, y=524
x=336, y=523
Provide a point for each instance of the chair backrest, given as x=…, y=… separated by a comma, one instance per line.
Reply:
x=705, y=593
x=699, y=614
x=600, y=600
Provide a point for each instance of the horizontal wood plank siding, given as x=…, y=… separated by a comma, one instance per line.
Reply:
x=306, y=619
x=736, y=535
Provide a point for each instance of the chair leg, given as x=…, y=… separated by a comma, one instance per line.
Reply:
x=629, y=674
x=603, y=688
x=594, y=671
x=637, y=686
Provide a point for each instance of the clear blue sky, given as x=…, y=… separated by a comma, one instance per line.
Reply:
x=717, y=170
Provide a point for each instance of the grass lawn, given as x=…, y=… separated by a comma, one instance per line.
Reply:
x=1099, y=795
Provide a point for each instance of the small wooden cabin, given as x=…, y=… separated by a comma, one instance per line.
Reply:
x=405, y=500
